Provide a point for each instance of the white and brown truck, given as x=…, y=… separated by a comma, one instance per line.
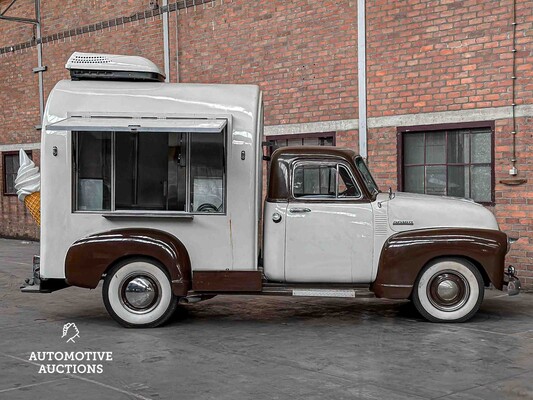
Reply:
x=156, y=189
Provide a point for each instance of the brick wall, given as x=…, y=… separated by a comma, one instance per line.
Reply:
x=423, y=57
x=302, y=54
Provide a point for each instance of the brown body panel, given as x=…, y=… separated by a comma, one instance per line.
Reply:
x=405, y=254
x=89, y=258
x=227, y=281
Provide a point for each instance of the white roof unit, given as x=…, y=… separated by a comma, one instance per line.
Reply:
x=97, y=66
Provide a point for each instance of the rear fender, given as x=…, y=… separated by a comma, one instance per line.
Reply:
x=89, y=258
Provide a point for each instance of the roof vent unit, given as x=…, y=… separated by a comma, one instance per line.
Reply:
x=111, y=67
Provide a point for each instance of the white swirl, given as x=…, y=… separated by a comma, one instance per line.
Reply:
x=28, y=179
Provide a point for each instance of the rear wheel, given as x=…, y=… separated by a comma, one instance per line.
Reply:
x=448, y=290
x=137, y=293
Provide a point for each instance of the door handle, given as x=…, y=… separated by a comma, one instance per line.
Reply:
x=300, y=210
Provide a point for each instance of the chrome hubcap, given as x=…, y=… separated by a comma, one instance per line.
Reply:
x=448, y=290
x=140, y=293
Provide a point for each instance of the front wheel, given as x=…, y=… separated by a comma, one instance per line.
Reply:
x=448, y=290
x=137, y=294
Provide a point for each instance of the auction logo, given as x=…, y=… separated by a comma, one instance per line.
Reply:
x=73, y=328
x=71, y=362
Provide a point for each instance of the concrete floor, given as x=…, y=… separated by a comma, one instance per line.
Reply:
x=264, y=347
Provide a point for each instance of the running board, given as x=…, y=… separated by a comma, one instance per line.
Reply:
x=317, y=292
x=336, y=290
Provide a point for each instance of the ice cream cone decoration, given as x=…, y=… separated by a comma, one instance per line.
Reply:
x=28, y=186
x=33, y=204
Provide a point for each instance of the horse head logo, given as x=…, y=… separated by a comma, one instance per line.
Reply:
x=70, y=326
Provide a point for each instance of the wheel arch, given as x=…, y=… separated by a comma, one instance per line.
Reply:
x=89, y=258
x=474, y=262
x=405, y=254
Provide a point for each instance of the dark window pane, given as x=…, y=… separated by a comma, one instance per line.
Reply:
x=367, y=176
x=150, y=171
x=435, y=148
x=414, y=148
x=207, y=172
x=481, y=183
x=11, y=162
x=327, y=141
x=414, y=179
x=125, y=176
x=314, y=180
x=458, y=181
x=177, y=171
x=481, y=147
x=10, y=184
x=311, y=181
x=93, y=171
x=436, y=180
x=458, y=147
x=347, y=187
x=466, y=155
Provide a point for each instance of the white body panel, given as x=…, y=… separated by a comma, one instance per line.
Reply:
x=274, y=241
x=214, y=242
x=330, y=243
x=342, y=243
x=437, y=212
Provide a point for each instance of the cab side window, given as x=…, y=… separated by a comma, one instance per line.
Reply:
x=314, y=181
x=319, y=181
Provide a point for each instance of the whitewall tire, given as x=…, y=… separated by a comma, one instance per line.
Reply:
x=137, y=293
x=448, y=290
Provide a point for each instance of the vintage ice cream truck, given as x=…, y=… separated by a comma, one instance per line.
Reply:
x=156, y=189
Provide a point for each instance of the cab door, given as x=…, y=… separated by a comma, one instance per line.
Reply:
x=329, y=234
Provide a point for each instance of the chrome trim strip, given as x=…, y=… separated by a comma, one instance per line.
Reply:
x=396, y=286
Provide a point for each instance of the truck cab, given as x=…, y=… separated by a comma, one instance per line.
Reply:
x=318, y=217
x=156, y=189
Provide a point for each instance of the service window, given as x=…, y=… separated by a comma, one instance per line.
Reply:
x=149, y=171
x=319, y=181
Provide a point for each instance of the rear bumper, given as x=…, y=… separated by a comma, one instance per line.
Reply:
x=511, y=282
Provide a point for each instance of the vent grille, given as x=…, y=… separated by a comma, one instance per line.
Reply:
x=380, y=222
x=90, y=60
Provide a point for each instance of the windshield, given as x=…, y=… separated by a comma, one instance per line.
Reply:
x=367, y=177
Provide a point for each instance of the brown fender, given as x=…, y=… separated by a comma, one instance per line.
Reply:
x=89, y=258
x=405, y=254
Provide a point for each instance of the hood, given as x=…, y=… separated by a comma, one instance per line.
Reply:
x=408, y=211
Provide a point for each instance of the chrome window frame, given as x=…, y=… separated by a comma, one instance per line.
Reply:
x=335, y=163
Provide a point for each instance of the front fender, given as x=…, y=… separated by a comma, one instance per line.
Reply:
x=89, y=258
x=405, y=254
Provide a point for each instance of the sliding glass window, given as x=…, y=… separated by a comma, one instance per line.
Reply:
x=153, y=171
